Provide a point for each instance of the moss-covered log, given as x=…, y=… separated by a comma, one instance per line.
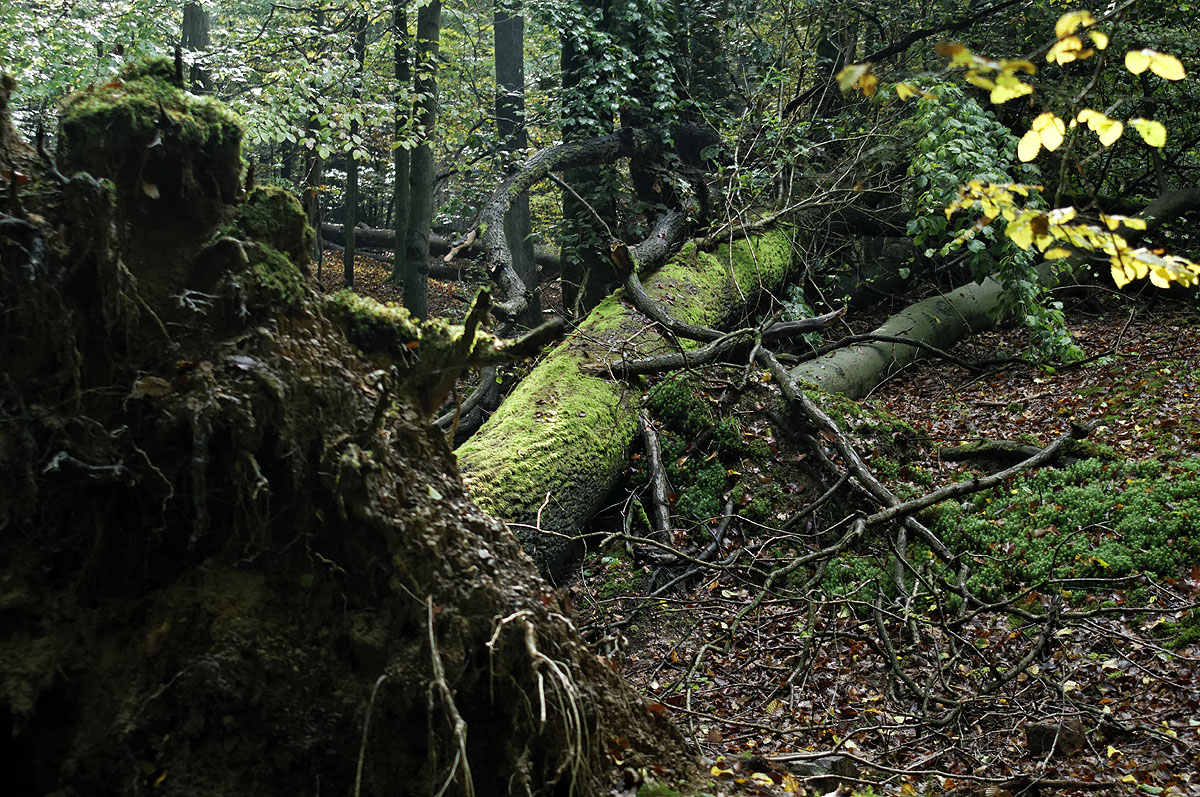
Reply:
x=553, y=450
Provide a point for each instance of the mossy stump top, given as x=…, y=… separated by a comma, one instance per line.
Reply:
x=166, y=150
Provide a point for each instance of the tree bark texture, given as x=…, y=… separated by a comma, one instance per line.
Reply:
x=350, y=213
x=939, y=321
x=421, y=174
x=197, y=22
x=604, y=149
x=553, y=450
x=509, y=27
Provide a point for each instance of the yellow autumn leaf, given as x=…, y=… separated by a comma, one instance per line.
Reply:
x=1071, y=20
x=1118, y=273
x=1030, y=145
x=1112, y=751
x=867, y=84
x=957, y=53
x=1109, y=130
x=1168, y=67
x=1056, y=253
x=791, y=785
x=1012, y=66
x=1066, y=50
x=1165, y=66
x=851, y=75
x=1099, y=39
x=1009, y=87
x=763, y=778
x=1020, y=231
x=1115, y=220
x=905, y=91
x=1050, y=130
x=1154, y=133
x=975, y=79
x=719, y=771
x=1136, y=61
x=1062, y=215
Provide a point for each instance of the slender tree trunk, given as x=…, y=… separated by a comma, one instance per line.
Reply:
x=421, y=174
x=351, y=204
x=403, y=109
x=314, y=177
x=509, y=27
x=197, y=20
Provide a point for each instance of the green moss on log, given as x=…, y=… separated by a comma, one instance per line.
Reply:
x=559, y=442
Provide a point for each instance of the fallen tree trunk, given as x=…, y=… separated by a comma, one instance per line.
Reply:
x=385, y=240
x=938, y=322
x=550, y=454
x=438, y=272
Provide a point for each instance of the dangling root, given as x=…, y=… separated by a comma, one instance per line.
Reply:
x=460, y=726
x=566, y=693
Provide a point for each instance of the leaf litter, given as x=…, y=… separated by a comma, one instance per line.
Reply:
x=1092, y=692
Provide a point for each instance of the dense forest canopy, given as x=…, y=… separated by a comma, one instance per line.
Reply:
x=744, y=218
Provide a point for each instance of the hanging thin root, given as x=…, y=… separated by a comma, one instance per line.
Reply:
x=566, y=694
x=460, y=725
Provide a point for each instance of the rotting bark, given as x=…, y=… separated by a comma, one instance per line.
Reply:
x=223, y=536
x=549, y=455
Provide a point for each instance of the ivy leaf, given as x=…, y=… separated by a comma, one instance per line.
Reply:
x=1165, y=66
x=1154, y=133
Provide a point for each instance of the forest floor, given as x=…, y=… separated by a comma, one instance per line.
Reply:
x=805, y=676
x=448, y=299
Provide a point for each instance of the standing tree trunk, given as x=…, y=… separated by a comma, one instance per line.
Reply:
x=350, y=213
x=421, y=176
x=314, y=174
x=403, y=100
x=197, y=20
x=509, y=27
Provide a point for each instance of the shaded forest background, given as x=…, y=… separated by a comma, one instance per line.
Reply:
x=836, y=546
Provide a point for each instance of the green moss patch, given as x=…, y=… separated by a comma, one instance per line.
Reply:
x=375, y=327
x=274, y=217
x=165, y=149
x=1093, y=518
